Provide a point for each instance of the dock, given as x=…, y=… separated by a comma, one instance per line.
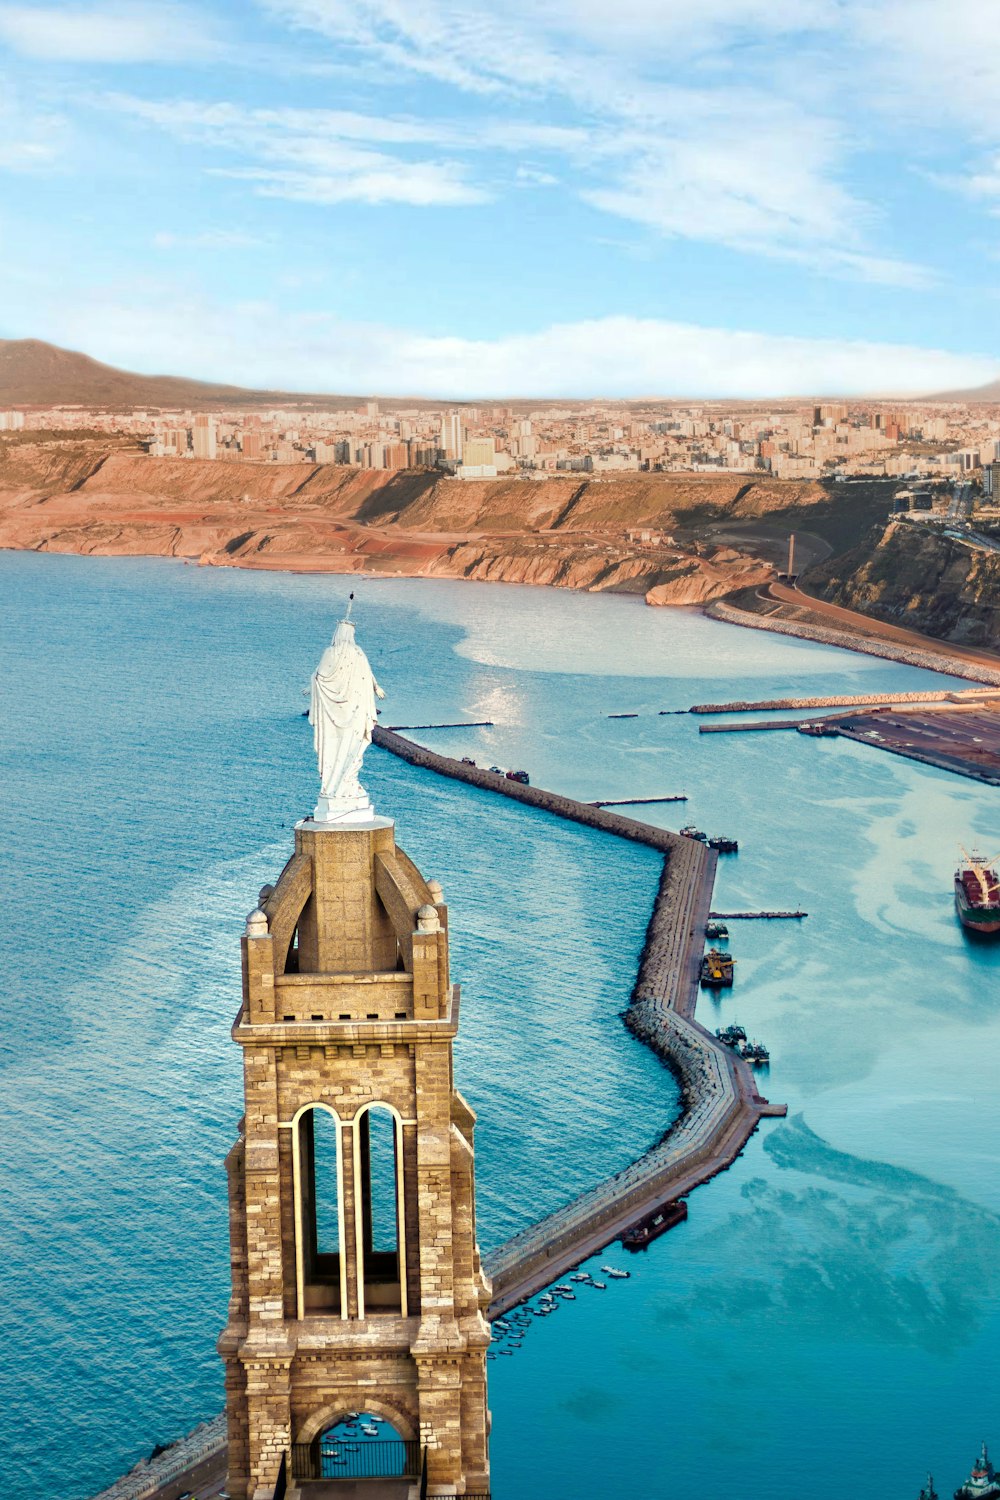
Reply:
x=468, y=724
x=755, y=916
x=738, y=727
x=639, y=801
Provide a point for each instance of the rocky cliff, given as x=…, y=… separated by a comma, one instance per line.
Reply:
x=914, y=575
x=565, y=530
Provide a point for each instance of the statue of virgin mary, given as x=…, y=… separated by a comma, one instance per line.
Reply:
x=342, y=714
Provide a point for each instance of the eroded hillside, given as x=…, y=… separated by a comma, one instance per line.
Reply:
x=567, y=530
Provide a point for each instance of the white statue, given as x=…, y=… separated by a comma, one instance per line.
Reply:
x=342, y=714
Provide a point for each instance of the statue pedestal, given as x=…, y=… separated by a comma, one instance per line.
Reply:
x=343, y=810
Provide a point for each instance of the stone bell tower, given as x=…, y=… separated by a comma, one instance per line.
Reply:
x=356, y=1279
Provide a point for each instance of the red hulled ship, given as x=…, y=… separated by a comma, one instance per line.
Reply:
x=977, y=893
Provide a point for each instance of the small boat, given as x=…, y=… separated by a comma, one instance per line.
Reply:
x=508, y=1352
x=689, y=831
x=521, y=776
x=491, y=1355
x=580, y=1276
x=724, y=845
x=562, y=1287
x=369, y=1431
x=600, y=1286
x=654, y=1225
x=616, y=1275
x=731, y=1036
x=755, y=1053
x=715, y=929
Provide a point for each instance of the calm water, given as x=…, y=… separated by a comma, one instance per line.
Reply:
x=828, y=1320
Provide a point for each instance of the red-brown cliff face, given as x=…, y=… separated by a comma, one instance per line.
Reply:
x=563, y=530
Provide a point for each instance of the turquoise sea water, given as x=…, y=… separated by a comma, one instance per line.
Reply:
x=825, y=1323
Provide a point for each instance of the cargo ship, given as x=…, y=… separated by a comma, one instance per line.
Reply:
x=977, y=893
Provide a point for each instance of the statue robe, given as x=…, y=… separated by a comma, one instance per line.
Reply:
x=342, y=714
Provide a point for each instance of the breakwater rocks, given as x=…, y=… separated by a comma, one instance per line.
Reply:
x=152, y=1475
x=912, y=656
x=720, y=1107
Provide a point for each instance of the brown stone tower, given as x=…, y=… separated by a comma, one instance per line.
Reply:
x=357, y=1284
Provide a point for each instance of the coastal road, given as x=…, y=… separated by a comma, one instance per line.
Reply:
x=836, y=614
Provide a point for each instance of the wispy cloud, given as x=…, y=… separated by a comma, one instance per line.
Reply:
x=680, y=117
x=314, y=156
x=129, y=32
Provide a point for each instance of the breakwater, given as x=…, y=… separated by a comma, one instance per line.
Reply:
x=720, y=1104
x=912, y=656
x=845, y=700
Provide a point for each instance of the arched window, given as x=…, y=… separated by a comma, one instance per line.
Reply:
x=319, y=1247
x=379, y=1209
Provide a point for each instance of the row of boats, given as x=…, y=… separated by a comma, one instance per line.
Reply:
x=736, y=1038
x=721, y=844
x=509, y=1330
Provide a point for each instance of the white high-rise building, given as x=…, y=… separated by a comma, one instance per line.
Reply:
x=452, y=434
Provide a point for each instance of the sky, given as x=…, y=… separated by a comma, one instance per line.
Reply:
x=548, y=198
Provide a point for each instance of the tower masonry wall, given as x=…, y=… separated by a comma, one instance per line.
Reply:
x=348, y=1007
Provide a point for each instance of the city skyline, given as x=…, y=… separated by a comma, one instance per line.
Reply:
x=722, y=200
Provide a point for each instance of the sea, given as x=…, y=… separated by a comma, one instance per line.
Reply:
x=826, y=1322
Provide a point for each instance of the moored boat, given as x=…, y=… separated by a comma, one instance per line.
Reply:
x=650, y=1228
x=977, y=893
x=717, y=969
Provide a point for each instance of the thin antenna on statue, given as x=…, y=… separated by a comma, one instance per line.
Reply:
x=350, y=606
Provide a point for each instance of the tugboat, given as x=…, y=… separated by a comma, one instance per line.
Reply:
x=714, y=929
x=689, y=831
x=717, y=970
x=724, y=846
x=731, y=1036
x=982, y=1483
x=977, y=893
x=755, y=1053
x=521, y=776
x=654, y=1225
x=929, y=1492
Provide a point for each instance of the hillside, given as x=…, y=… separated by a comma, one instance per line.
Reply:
x=87, y=497
x=33, y=373
x=919, y=578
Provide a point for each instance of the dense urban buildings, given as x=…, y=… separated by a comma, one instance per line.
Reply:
x=931, y=439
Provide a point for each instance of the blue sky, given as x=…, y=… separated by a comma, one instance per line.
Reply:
x=552, y=197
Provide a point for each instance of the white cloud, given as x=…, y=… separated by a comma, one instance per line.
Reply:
x=314, y=156
x=616, y=356
x=688, y=116
x=128, y=32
